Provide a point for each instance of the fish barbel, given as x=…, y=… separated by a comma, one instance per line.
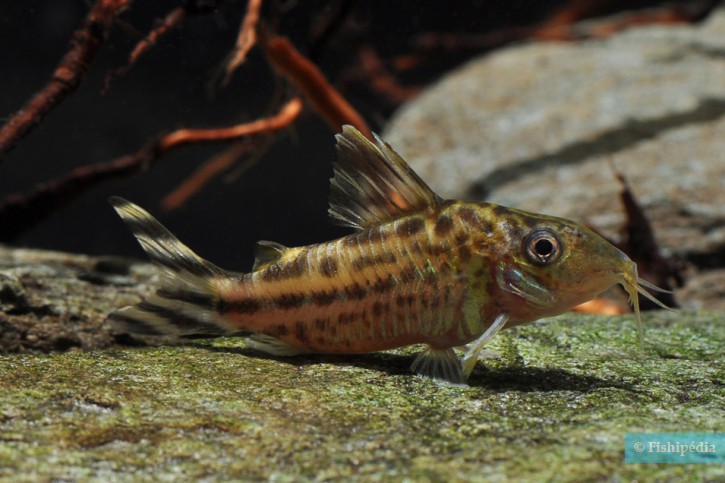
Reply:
x=417, y=270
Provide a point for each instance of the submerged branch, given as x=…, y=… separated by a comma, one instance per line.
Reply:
x=325, y=99
x=20, y=212
x=68, y=76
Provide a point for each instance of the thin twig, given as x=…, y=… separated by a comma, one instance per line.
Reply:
x=245, y=40
x=68, y=76
x=172, y=19
x=203, y=175
x=20, y=212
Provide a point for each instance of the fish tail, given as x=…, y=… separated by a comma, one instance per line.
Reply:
x=187, y=300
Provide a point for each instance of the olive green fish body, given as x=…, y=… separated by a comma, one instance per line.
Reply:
x=418, y=270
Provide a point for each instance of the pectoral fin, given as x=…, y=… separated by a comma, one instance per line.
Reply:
x=474, y=352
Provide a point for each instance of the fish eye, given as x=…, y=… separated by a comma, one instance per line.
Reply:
x=542, y=247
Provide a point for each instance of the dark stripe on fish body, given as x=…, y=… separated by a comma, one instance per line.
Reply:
x=301, y=331
x=288, y=301
x=324, y=298
x=382, y=285
x=410, y=226
x=355, y=292
x=243, y=306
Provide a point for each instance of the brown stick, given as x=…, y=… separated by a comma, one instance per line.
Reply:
x=20, y=212
x=329, y=103
x=172, y=19
x=203, y=175
x=280, y=120
x=245, y=40
x=70, y=73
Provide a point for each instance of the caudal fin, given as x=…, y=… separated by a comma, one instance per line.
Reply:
x=185, y=303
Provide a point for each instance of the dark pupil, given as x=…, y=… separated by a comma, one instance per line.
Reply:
x=543, y=247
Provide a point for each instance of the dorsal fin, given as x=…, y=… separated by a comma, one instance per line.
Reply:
x=372, y=183
x=266, y=252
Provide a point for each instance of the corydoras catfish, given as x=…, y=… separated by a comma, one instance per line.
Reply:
x=417, y=270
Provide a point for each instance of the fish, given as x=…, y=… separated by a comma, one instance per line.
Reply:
x=417, y=269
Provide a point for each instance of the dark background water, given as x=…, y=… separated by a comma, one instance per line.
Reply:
x=284, y=196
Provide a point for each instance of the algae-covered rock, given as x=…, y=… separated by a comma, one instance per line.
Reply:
x=555, y=404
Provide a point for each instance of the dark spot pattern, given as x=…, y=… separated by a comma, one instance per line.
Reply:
x=242, y=306
x=464, y=253
x=382, y=285
x=443, y=225
x=345, y=318
x=301, y=330
x=471, y=218
x=289, y=301
x=321, y=324
x=408, y=274
x=355, y=292
x=403, y=300
x=328, y=267
x=499, y=211
x=410, y=226
x=272, y=273
x=324, y=297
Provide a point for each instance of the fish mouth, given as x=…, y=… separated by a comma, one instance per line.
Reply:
x=633, y=285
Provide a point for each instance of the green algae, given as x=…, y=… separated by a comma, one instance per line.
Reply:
x=554, y=404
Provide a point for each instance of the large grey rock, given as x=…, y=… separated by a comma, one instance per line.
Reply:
x=536, y=126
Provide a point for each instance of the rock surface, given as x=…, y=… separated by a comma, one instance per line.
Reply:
x=536, y=126
x=555, y=404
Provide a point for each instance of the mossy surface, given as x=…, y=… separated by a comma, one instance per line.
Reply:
x=556, y=404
